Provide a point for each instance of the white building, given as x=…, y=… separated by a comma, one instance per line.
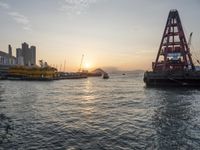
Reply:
x=7, y=58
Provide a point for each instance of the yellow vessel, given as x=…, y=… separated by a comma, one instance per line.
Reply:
x=32, y=73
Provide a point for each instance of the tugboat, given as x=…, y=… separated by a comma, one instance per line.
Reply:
x=174, y=64
x=105, y=76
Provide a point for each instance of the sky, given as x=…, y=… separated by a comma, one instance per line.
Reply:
x=122, y=34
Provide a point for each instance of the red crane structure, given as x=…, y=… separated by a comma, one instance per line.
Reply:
x=173, y=65
x=174, y=52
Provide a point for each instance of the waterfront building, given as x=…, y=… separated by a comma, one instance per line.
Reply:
x=25, y=55
x=7, y=58
x=19, y=56
x=33, y=55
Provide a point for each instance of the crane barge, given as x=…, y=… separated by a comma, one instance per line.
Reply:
x=174, y=64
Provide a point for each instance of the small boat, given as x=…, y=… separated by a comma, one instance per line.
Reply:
x=105, y=76
x=123, y=74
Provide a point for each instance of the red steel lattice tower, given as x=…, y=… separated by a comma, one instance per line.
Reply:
x=174, y=53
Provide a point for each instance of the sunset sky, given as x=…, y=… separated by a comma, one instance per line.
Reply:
x=110, y=33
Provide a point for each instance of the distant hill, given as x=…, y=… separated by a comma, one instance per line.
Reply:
x=115, y=70
x=98, y=70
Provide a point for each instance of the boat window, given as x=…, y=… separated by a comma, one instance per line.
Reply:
x=174, y=56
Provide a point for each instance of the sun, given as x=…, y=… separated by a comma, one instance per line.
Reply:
x=87, y=65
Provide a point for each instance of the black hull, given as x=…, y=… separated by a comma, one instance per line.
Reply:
x=174, y=82
x=170, y=79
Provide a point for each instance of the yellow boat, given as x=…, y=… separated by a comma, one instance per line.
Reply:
x=32, y=73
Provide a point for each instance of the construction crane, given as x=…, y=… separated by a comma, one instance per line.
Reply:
x=80, y=67
x=190, y=43
x=190, y=40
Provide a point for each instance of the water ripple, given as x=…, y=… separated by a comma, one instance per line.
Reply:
x=119, y=113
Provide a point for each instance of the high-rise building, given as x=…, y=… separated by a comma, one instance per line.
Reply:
x=24, y=46
x=19, y=56
x=26, y=56
x=33, y=55
x=10, y=50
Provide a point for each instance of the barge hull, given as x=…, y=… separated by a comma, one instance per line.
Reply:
x=162, y=79
x=174, y=82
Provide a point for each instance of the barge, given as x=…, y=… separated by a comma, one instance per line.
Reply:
x=180, y=78
x=174, y=63
x=72, y=75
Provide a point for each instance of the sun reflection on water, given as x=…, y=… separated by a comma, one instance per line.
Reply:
x=88, y=99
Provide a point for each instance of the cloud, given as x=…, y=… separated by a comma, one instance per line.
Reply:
x=4, y=5
x=76, y=6
x=17, y=17
x=21, y=19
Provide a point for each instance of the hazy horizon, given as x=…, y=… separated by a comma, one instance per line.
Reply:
x=123, y=34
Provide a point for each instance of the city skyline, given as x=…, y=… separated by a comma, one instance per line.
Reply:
x=110, y=33
x=24, y=56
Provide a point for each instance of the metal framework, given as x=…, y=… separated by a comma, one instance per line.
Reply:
x=174, y=52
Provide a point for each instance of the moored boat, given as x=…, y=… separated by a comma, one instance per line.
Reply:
x=106, y=76
x=31, y=73
x=174, y=64
x=171, y=78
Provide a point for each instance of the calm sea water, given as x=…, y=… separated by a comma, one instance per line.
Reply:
x=118, y=113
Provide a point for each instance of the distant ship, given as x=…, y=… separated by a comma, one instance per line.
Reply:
x=174, y=64
x=106, y=76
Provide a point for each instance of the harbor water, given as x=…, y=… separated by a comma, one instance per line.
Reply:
x=115, y=114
